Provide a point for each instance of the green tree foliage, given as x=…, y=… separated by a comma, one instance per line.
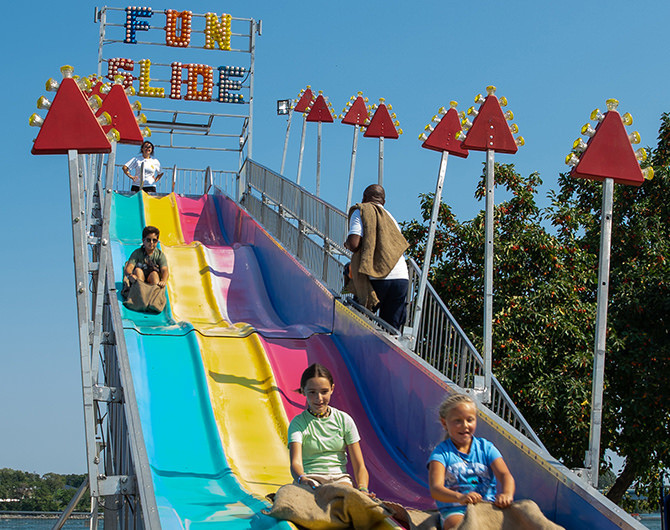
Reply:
x=545, y=275
x=31, y=492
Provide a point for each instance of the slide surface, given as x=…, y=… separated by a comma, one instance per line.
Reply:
x=216, y=374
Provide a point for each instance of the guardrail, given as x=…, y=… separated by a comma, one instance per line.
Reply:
x=315, y=231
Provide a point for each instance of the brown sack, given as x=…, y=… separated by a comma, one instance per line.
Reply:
x=140, y=296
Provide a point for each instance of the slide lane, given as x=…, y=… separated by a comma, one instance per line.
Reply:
x=194, y=481
x=244, y=399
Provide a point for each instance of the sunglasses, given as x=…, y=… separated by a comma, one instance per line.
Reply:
x=151, y=240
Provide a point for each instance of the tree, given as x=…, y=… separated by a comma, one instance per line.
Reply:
x=545, y=274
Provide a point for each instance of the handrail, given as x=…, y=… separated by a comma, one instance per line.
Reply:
x=314, y=231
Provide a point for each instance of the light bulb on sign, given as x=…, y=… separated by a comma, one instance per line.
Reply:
x=520, y=141
x=579, y=145
x=572, y=159
x=67, y=71
x=52, y=85
x=648, y=173
x=43, y=103
x=490, y=90
x=596, y=115
x=612, y=104
x=641, y=154
x=627, y=119
x=587, y=130
x=634, y=137
x=35, y=120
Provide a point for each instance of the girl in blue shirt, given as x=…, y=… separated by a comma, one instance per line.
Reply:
x=464, y=469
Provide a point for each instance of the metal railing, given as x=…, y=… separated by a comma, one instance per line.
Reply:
x=314, y=231
x=184, y=181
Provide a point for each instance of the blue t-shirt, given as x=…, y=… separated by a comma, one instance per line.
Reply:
x=467, y=472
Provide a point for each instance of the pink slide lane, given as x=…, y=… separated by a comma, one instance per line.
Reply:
x=289, y=358
x=199, y=221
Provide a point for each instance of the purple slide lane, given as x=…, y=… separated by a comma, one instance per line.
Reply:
x=199, y=221
x=289, y=358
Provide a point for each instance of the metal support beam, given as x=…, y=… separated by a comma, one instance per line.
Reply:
x=593, y=455
x=488, y=275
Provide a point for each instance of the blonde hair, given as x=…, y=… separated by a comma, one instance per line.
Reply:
x=452, y=401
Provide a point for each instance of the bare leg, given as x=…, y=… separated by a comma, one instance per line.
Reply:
x=153, y=278
x=139, y=274
x=452, y=521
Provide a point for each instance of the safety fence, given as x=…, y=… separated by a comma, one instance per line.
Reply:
x=315, y=231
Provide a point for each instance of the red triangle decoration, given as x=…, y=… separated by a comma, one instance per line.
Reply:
x=70, y=124
x=443, y=137
x=490, y=130
x=381, y=125
x=123, y=120
x=305, y=101
x=609, y=154
x=320, y=111
x=357, y=114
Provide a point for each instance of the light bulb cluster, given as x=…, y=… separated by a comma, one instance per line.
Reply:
x=217, y=32
x=145, y=89
x=373, y=108
x=467, y=118
x=226, y=84
x=333, y=114
x=120, y=63
x=133, y=24
x=193, y=72
x=173, y=26
x=94, y=101
x=436, y=119
x=350, y=103
x=579, y=145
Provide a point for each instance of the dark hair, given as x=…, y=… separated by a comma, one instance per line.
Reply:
x=145, y=142
x=150, y=230
x=315, y=370
x=374, y=193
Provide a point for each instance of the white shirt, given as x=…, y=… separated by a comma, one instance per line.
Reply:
x=399, y=272
x=145, y=168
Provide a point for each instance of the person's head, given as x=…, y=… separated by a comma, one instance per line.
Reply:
x=317, y=385
x=374, y=193
x=150, y=237
x=147, y=149
x=458, y=415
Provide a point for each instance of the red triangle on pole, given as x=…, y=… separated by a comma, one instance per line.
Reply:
x=304, y=101
x=490, y=130
x=609, y=154
x=357, y=113
x=123, y=120
x=320, y=111
x=70, y=124
x=381, y=125
x=443, y=137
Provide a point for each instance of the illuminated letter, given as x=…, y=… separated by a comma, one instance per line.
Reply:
x=226, y=84
x=132, y=24
x=207, y=74
x=216, y=31
x=178, y=22
x=113, y=66
x=175, y=81
x=145, y=89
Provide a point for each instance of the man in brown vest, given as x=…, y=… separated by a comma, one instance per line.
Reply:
x=378, y=267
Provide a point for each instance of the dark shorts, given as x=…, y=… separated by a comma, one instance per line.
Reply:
x=148, y=189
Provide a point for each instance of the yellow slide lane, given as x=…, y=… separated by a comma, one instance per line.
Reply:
x=251, y=419
x=163, y=214
x=245, y=400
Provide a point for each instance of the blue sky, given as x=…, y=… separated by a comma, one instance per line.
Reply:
x=554, y=61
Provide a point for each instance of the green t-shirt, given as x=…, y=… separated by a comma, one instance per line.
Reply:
x=156, y=261
x=324, y=440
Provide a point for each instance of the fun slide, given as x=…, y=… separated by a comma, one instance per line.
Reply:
x=216, y=374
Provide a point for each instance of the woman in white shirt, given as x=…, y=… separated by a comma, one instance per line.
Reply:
x=144, y=171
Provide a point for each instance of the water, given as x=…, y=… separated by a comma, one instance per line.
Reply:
x=650, y=520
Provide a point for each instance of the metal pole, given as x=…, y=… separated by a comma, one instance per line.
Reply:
x=253, y=28
x=318, y=159
x=352, y=167
x=380, y=176
x=418, y=306
x=302, y=147
x=488, y=274
x=593, y=454
x=288, y=129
